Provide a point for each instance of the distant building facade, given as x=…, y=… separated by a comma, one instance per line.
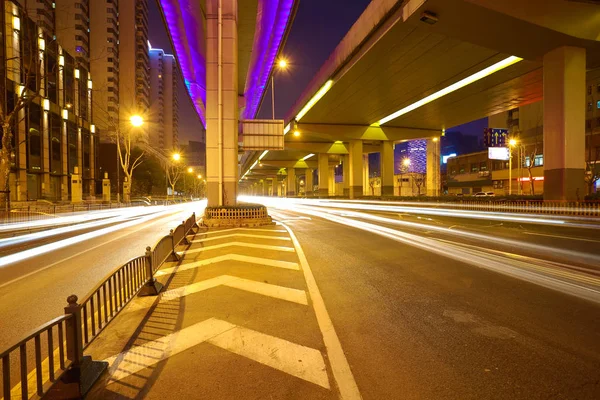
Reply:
x=164, y=106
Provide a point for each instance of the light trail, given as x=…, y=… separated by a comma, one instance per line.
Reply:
x=541, y=272
x=40, y=250
x=104, y=220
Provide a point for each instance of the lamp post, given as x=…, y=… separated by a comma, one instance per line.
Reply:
x=511, y=144
x=282, y=64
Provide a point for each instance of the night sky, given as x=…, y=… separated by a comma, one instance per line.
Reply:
x=318, y=28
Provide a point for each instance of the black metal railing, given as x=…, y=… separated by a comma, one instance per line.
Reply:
x=65, y=338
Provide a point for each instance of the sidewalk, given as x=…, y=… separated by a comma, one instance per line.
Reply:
x=236, y=320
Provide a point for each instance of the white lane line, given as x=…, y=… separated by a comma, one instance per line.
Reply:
x=84, y=251
x=296, y=360
x=240, y=244
x=299, y=361
x=242, y=229
x=562, y=237
x=240, y=235
x=337, y=359
x=230, y=257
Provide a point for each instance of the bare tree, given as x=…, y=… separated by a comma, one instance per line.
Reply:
x=174, y=173
x=419, y=181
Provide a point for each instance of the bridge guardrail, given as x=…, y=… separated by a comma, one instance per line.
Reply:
x=81, y=324
x=575, y=208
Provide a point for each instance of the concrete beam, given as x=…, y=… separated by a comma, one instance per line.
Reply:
x=318, y=147
x=330, y=132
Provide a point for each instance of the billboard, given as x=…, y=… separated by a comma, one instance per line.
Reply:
x=499, y=153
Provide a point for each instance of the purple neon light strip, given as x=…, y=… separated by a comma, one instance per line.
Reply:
x=191, y=61
x=274, y=16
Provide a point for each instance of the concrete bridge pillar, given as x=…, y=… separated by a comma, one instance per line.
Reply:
x=308, y=183
x=221, y=103
x=564, y=124
x=265, y=187
x=365, y=175
x=331, y=186
x=291, y=182
x=433, y=168
x=355, y=177
x=274, y=187
x=387, y=168
x=323, y=175
x=345, y=173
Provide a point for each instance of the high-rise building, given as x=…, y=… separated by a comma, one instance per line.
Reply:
x=134, y=73
x=41, y=12
x=72, y=21
x=163, y=101
x=104, y=51
x=53, y=135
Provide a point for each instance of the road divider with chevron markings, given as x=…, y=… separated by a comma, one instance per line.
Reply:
x=241, y=317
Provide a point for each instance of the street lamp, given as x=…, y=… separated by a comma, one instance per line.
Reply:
x=511, y=144
x=176, y=156
x=136, y=120
x=282, y=64
x=406, y=162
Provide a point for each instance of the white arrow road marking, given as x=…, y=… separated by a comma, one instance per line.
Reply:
x=266, y=289
x=241, y=235
x=243, y=229
x=230, y=257
x=296, y=360
x=240, y=244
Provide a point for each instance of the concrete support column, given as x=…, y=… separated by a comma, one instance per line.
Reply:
x=434, y=182
x=291, y=182
x=564, y=124
x=274, y=187
x=265, y=187
x=221, y=102
x=366, y=185
x=308, y=182
x=331, y=185
x=387, y=168
x=346, y=172
x=355, y=177
x=323, y=175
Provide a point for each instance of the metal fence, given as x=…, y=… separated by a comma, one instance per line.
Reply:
x=42, y=212
x=64, y=339
x=579, y=208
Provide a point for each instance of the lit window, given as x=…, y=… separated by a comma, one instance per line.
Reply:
x=598, y=104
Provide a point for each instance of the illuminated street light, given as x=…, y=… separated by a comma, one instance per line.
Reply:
x=176, y=156
x=296, y=133
x=282, y=64
x=199, y=176
x=190, y=170
x=406, y=162
x=136, y=120
x=512, y=142
x=435, y=139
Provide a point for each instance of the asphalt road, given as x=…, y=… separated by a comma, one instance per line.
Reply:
x=37, y=276
x=427, y=316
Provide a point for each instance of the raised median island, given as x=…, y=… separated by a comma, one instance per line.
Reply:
x=240, y=215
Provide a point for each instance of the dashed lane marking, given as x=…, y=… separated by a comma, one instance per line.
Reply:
x=230, y=257
x=239, y=244
x=296, y=360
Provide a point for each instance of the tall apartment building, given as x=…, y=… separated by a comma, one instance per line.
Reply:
x=134, y=74
x=41, y=12
x=164, y=118
x=53, y=135
x=104, y=53
x=72, y=21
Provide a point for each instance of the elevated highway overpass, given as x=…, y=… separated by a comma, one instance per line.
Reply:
x=411, y=69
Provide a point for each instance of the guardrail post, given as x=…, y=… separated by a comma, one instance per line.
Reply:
x=152, y=286
x=185, y=232
x=173, y=252
x=83, y=371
